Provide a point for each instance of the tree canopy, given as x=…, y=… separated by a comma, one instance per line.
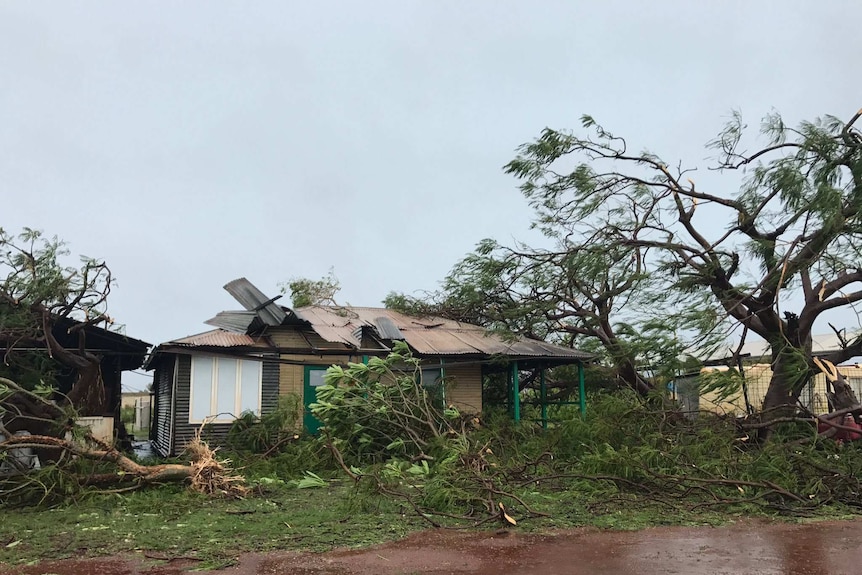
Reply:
x=642, y=258
x=38, y=291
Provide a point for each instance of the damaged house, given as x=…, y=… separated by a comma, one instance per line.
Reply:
x=255, y=355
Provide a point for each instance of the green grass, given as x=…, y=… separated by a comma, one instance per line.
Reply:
x=171, y=522
x=636, y=448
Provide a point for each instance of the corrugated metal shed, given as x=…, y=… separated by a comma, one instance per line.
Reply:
x=428, y=335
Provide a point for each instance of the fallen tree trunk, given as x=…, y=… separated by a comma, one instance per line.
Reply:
x=205, y=473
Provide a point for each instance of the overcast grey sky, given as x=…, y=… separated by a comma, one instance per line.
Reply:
x=190, y=143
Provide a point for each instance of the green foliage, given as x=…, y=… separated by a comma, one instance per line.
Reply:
x=56, y=483
x=624, y=449
x=33, y=274
x=309, y=481
x=381, y=409
x=127, y=414
x=380, y=422
x=723, y=383
x=305, y=292
x=268, y=432
x=290, y=461
x=626, y=464
x=33, y=279
x=654, y=268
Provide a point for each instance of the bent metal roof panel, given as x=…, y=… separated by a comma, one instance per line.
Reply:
x=426, y=335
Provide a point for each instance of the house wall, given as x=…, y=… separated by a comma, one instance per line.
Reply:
x=465, y=390
x=214, y=433
x=292, y=375
x=292, y=369
x=283, y=377
x=131, y=399
x=757, y=378
x=163, y=379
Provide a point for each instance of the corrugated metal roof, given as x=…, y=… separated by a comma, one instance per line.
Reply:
x=255, y=300
x=236, y=321
x=217, y=338
x=387, y=329
x=426, y=335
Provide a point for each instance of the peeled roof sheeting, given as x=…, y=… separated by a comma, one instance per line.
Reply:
x=237, y=321
x=387, y=329
x=330, y=325
x=253, y=299
x=427, y=335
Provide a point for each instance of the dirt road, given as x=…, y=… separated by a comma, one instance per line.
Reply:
x=751, y=549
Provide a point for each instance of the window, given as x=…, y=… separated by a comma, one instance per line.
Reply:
x=222, y=388
x=432, y=381
x=431, y=376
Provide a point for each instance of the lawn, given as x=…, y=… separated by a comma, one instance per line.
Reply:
x=172, y=522
x=169, y=521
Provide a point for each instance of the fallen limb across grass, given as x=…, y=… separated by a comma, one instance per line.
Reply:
x=205, y=473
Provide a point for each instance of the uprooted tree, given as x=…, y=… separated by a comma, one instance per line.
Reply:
x=38, y=295
x=768, y=243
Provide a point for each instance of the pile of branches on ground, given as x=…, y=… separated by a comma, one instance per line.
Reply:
x=387, y=431
x=67, y=461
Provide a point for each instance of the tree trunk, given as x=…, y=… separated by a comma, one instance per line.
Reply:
x=205, y=473
x=790, y=372
x=88, y=395
x=628, y=373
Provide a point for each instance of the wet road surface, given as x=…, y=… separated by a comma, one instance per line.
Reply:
x=749, y=548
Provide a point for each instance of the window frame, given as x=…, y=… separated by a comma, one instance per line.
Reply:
x=437, y=387
x=433, y=383
x=223, y=417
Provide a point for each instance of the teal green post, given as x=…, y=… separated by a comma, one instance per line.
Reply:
x=443, y=383
x=509, y=392
x=516, y=393
x=543, y=394
x=582, y=394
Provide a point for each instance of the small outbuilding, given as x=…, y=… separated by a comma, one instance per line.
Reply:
x=115, y=352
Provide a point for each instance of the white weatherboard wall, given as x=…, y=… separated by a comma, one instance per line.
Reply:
x=102, y=428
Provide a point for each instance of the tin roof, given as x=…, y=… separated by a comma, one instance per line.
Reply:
x=426, y=335
x=236, y=321
x=346, y=325
x=216, y=338
x=254, y=300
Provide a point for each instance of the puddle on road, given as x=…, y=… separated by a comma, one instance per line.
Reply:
x=748, y=548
